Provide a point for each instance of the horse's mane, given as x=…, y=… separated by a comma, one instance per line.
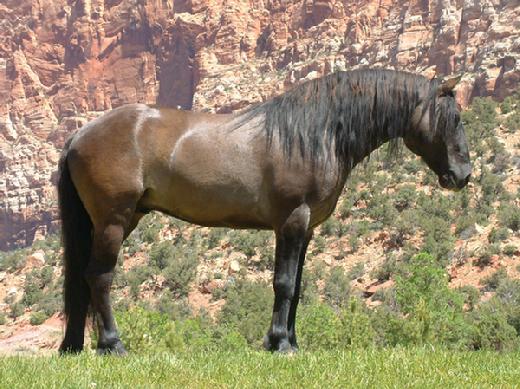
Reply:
x=349, y=111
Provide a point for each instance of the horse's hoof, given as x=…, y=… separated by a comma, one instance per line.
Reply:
x=282, y=346
x=69, y=349
x=115, y=349
x=285, y=347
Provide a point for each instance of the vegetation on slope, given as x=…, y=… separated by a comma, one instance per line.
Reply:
x=420, y=232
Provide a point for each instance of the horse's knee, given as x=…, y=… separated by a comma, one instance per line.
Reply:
x=283, y=287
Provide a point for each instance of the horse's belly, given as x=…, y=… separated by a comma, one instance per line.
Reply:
x=210, y=198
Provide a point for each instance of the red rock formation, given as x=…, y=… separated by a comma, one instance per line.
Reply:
x=64, y=62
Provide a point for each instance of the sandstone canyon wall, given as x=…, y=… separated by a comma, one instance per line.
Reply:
x=65, y=62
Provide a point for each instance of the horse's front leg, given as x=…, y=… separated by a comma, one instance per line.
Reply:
x=290, y=241
x=296, y=297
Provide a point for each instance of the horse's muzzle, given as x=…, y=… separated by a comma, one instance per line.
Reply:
x=452, y=182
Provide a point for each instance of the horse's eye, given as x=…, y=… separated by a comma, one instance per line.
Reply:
x=457, y=148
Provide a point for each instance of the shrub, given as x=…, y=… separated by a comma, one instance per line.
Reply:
x=180, y=273
x=319, y=327
x=248, y=241
x=37, y=318
x=143, y=330
x=17, y=309
x=331, y=227
x=497, y=235
x=175, y=309
x=493, y=281
x=423, y=278
x=149, y=228
x=485, y=257
x=465, y=227
x=309, y=290
x=513, y=121
x=337, y=287
x=438, y=240
x=471, y=296
x=509, y=216
x=32, y=290
x=3, y=319
x=405, y=197
x=136, y=276
x=12, y=261
x=162, y=254
x=215, y=235
x=51, y=302
x=510, y=250
x=391, y=329
x=509, y=104
x=247, y=309
x=387, y=268
x=356, y=326
x=490, y=329
x=357, y=271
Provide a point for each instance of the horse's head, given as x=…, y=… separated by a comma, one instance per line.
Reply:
x=437, y=135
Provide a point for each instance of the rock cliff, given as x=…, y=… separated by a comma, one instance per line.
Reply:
x=65, y=62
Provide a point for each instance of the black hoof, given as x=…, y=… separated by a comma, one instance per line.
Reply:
x=70, y=349
x=282, y=346
x=116, y=348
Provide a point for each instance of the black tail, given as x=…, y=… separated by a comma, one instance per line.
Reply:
x=76, y=233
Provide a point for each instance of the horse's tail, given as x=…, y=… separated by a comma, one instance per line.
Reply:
x=76, y=234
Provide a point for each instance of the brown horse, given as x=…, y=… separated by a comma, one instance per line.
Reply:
x=280, y=165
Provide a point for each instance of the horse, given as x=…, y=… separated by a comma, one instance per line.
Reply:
x=279, y=165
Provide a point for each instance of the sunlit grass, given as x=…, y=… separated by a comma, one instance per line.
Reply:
x=391, y=368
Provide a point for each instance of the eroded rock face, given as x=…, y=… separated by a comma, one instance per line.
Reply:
x=65, y=62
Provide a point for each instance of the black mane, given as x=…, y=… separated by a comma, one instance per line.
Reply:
x=352, y=112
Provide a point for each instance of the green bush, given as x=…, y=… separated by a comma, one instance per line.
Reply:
x=490, y=329
x=405, y=197
x=356, y=325
x=471, y=296
x=149, y=228
x=309, y=290
x=136, y=276
x=509, y=216
x=162, y=254
x=337, y=287
x=3, y=319
x=248, y=241
x=486, y=255
x=386, y=270
x=32, y=291
x=498, y=234
x=247, y=310
x=509, y=250
x=13, y=261
x=170, y=305
x=37, y=318
x=319, y=327
x=16, y=310
x=50, y=302
x=143, y=330
x=493, y=281
x=181, y=272
x=357, y=271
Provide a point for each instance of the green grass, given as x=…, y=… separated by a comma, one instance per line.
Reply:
x=389, y=368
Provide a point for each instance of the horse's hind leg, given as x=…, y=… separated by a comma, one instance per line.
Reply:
x=290, y=240
x=107, y=240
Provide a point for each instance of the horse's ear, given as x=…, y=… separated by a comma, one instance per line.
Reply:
x=447, y=86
